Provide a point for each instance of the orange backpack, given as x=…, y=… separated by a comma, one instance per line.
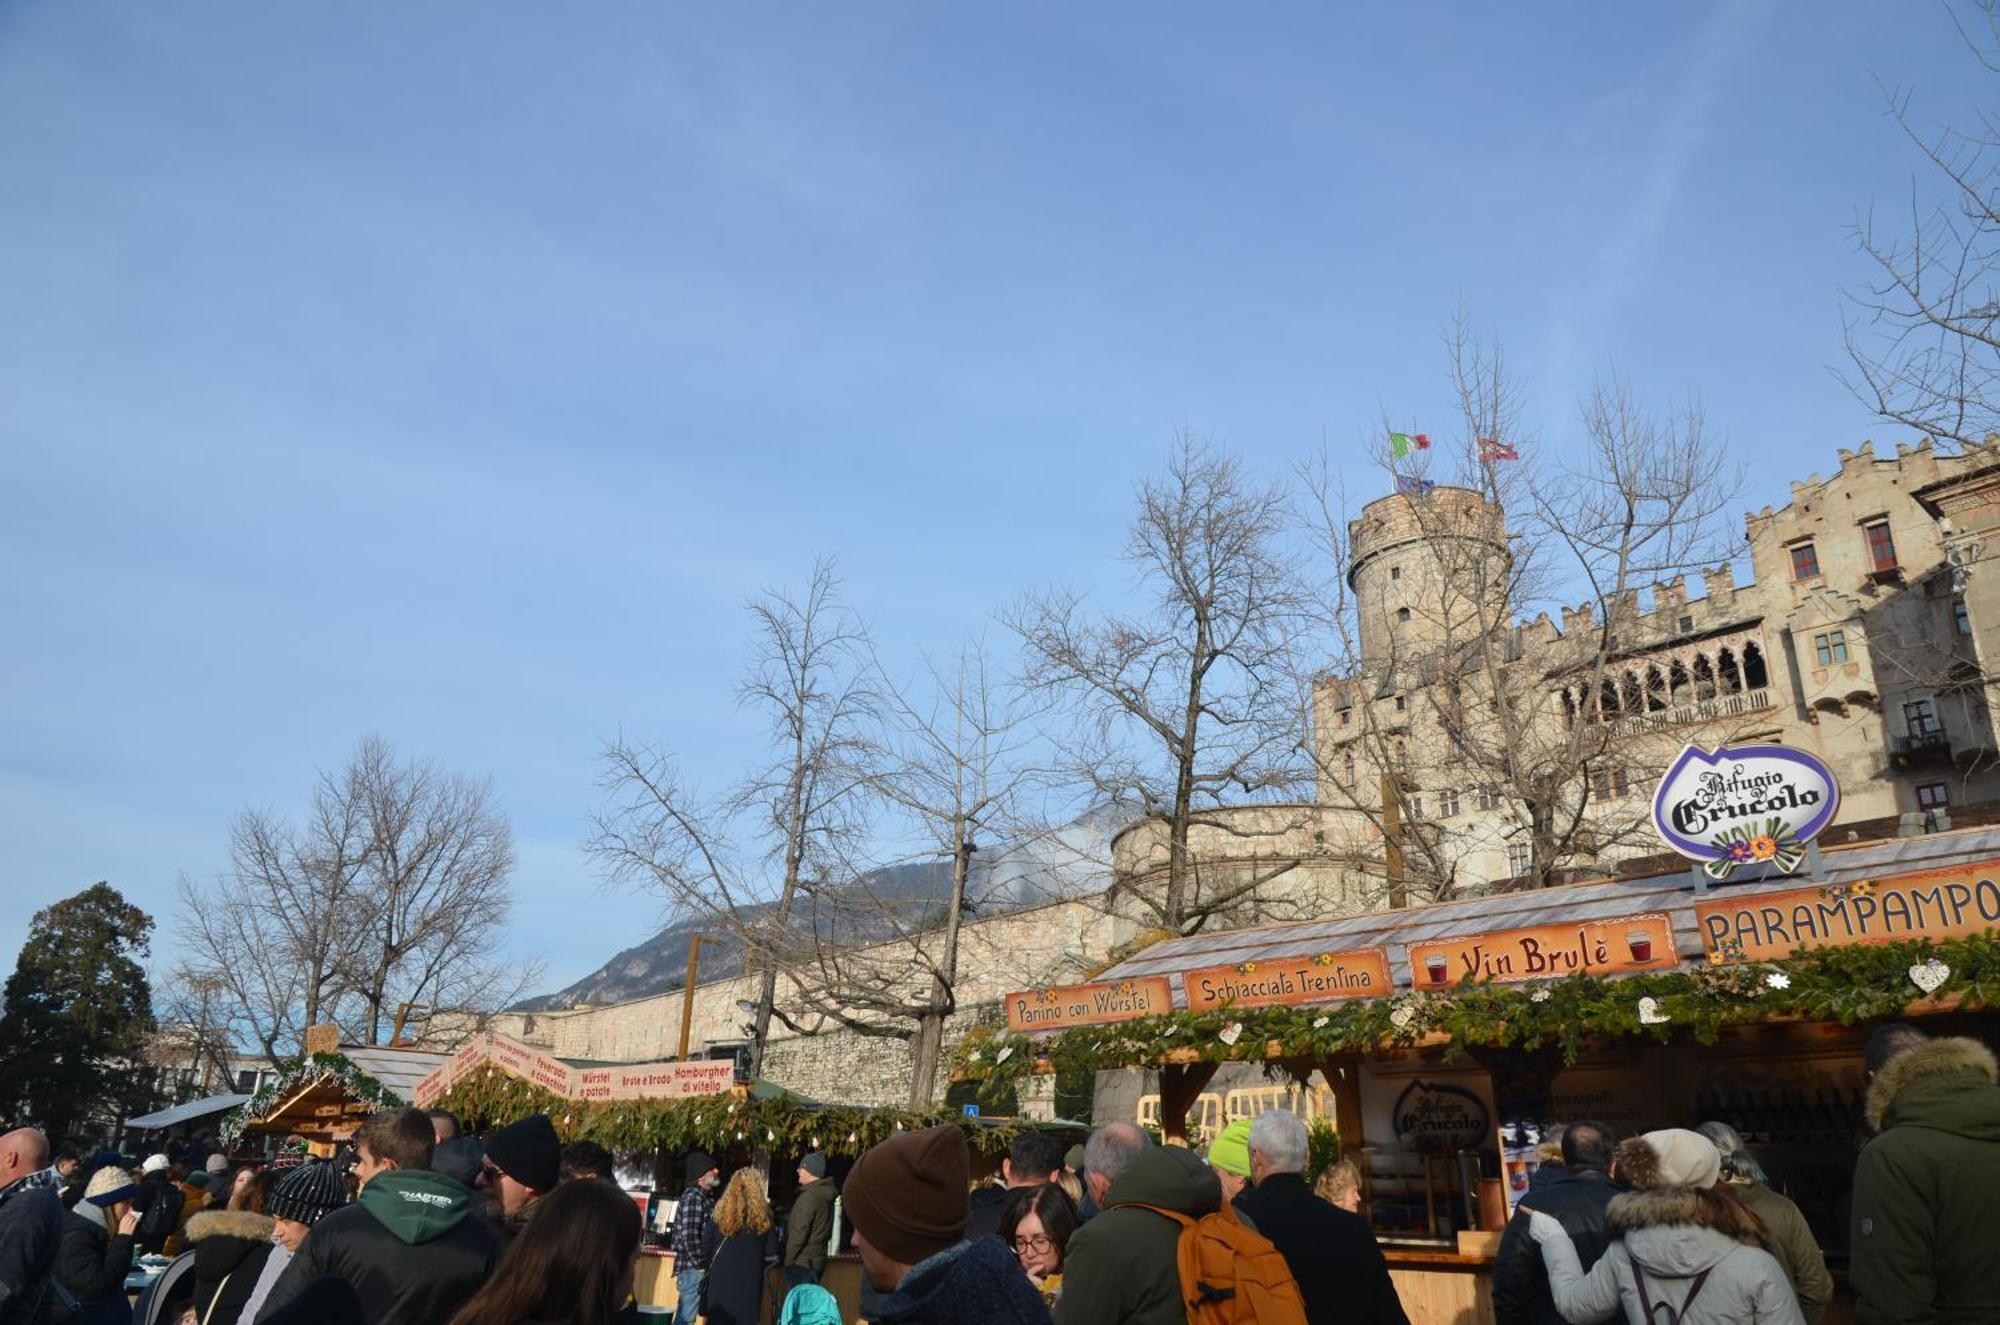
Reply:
x=1231, y=1274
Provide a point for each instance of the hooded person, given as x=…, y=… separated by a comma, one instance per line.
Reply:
x=809, y=1228
x=1927, y=1187
x=230, y=1249
x=809, y=1304
x=1123, y=1267
x=96, y=1251
x=906, y=1203
x=523, y=1163
x=1686, y=1249
x=413, y=1246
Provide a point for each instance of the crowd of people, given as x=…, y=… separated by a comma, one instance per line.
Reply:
x=427, y=1227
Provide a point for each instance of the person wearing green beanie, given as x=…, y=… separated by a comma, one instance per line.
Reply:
x=1229, y=1156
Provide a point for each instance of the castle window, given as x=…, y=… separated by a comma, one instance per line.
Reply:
x=1346, y=716
x=1600, y=784
x=1520, y=858
x=1489, y=798
x=1830, y=648
x=1619, y=786
x=1416, y=807
x=1933, y=796
x=1348, y=768
x=1881, y=547
x=1805, y=561
x=1961, y=619
x=1402, y=614
x=1447, y=803
x=1401, y=703
x=1686, y=624
x=1395, y=572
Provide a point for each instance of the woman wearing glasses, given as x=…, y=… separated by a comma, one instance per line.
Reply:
x=1037, y=1223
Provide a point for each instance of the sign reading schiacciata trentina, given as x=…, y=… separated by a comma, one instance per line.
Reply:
x=1744, y=805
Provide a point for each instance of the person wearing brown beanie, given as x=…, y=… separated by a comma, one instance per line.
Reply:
x=906, y=1201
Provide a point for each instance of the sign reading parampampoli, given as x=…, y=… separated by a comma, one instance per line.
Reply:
x=1088, y=1005
x=1744, y=805
x=1927, y=904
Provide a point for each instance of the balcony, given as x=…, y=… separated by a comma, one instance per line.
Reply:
x=1712, y=709
x=1921, y=746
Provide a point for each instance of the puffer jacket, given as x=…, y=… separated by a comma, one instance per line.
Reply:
x=973, y=1283
x=91, y=1265
x=230, y=1248
x=1123, y=1267
x=1927, y=1190
x=1670, y=1252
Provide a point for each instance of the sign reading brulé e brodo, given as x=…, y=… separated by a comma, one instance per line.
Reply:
x=1744, y=805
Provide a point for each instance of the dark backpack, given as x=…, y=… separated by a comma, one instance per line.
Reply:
x=157, y=1221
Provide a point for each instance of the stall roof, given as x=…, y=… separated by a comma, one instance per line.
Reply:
x=396, y=1068
x=182, y=1113
x=1601, y=899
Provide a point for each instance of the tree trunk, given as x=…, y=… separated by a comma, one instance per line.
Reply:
x=927, y=1047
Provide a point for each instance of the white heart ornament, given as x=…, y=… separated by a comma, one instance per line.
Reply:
x=1231, y=1033
x=1650, y=1014
x=1320, y=1021
x=1003, y=1055
x=1401, y=1017
x=1778, y=980
x=1929, y=975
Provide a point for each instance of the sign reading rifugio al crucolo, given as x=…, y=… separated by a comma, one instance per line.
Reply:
x=1744, y=805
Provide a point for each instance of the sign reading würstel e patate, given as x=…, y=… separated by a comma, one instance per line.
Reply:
x=1744, y=805
x=1547, y=952
x=1934, y=904
x=1271, y=981
x=1088, y=1005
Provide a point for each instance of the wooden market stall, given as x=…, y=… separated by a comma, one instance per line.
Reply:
x=322, y=1096
x=1448, y=1035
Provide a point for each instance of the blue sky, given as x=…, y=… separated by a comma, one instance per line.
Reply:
x=455, y=371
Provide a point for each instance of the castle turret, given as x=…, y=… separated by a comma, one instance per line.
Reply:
x=1427, y=571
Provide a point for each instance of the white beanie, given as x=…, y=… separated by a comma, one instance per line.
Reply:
x=154, y=1163
x=217, y=1163
x=1674, y=1157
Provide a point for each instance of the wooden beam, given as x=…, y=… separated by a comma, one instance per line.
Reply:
x=1180, y=1086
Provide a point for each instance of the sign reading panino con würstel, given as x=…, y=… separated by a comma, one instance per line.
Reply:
x=1094, y=1004
x=1742, y=805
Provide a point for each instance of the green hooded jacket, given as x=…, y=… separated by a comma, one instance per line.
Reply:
x=1122, y=1268
x=1926, y=1218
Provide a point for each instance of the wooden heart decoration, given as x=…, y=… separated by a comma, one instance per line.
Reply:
x=1231, y=1033
x=1650, y=1014
x=1401, y=1017
x=1929, y=975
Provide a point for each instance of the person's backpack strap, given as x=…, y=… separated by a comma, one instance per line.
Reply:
x=1674, y=1315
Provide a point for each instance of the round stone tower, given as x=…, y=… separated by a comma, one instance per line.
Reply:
x=1427, y=571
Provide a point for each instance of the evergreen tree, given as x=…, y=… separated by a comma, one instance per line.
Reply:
x=77, y=1011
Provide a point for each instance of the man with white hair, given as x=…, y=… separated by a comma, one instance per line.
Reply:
x=1332, y=1252
x=31, y=1220
x=1123, y=1267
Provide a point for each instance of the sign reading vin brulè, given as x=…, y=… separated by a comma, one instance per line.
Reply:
x=1088, y=1005
x=1744, y=805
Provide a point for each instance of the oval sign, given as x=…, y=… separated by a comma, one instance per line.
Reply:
x=1744, y=805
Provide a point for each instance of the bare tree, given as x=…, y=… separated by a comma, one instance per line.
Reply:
x=1185, y=704
x=389, y=891
x=1451, y=694
x=953, y=764
x=800, y=813
x=1923, y=338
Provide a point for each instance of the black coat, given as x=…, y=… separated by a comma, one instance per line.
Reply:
x=398, y=1282
x=810, y=1226
x=1578, y=1199
x=92, y=1264
x=1333, y=1253
x=230, y=1248
x=983, y=1211
x=31, y=1228
x=732, y=1292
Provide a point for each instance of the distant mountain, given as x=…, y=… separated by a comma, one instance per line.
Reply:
x=1070, y=861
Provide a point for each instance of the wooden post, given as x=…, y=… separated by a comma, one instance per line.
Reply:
x=687, y=992
x=1180, y=1086
x=322, y=1039
x=1392, y=838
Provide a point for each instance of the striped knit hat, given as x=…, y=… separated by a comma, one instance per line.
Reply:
x=307, y=1193
x=108, y=1186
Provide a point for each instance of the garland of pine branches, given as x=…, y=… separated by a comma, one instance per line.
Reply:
x=298, y=1073
x=1830, y=984
x=715, y=1123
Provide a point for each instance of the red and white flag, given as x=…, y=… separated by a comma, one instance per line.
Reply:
x=1491, y=449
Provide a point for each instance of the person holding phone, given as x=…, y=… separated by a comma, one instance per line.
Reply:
x=96, y=1252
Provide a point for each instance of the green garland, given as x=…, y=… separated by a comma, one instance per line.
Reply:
x=1829, y=984
x=299, y=1073
x=492, y=1096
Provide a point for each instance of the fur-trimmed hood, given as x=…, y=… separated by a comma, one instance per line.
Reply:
x=230, y=1224
x=1948, y=1084
x=1685, y=1207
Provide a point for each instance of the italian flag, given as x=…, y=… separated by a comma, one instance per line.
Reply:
x=1400, y=443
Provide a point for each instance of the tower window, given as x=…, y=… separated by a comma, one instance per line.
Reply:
x=1687, y=624
x=1520, y=858
x=1805, y=560
x=1402, y=614
x=1395, y=572
x=1961, y=619
x=1401, y=703
x=1447, y=803
x=1881, y=547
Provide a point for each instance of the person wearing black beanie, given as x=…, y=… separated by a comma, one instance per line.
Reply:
x=523, y=1161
